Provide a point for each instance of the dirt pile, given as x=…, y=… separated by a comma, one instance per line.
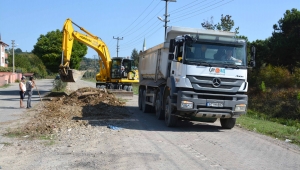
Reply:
x=80, y=108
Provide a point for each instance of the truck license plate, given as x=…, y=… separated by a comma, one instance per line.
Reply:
x=214, y=104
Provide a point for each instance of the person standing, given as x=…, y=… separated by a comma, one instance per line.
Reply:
x=22, y=91
x=123, y=72
x=29, y=87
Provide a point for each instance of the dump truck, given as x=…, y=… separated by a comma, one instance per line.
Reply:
x=197, y=75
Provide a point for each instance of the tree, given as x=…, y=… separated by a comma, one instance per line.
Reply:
x=209, y=25
x=285, y=42
x=135, y=57
x=226, y=24
x=29, y=62
x=49, y=49
x=262, y=52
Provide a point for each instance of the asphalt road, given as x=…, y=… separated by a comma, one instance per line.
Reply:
x=10, y=99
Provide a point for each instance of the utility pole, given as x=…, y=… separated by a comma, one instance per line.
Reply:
x=166, y=17
x=13, y=45
x=94, y=61
x=118, y=38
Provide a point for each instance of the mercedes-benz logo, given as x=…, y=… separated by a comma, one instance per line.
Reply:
x=216, y=82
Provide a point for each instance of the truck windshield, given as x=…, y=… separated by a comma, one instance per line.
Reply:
x=219, y=54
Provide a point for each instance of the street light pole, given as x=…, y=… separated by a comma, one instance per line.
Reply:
x=13, y=51
x=166, y=17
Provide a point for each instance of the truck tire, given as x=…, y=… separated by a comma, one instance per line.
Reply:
x=146, y=108
x=228, y=123
x=170, y=119
x=140, y=98
x=159, y=112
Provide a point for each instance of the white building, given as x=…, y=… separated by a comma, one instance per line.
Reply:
x=3, y=55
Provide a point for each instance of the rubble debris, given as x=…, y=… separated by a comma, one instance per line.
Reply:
x=80, y=108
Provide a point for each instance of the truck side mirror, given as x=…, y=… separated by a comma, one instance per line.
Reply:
x=171, y=56
x=172, y=46
x=252, y=60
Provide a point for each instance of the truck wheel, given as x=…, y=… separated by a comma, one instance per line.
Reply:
x=140, y=99
x=228, y=123
x=170, y=119
x=158, y=107
x=146, y=108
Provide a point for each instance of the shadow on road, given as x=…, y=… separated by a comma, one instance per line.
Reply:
x=132, y=118
x=17, y=93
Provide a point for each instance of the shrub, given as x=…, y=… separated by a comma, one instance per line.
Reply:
x=59, y=85
x=262, y=87
x=277, y=103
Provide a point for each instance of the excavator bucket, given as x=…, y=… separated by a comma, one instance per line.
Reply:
x=72, y=76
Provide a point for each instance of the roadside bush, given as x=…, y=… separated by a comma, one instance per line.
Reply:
x=59, y=85
x=275, y=77
x=296, y=77
x=276, y=103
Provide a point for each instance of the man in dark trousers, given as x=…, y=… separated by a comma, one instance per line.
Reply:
x=29, y=88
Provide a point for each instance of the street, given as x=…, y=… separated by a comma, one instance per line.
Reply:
x=142, y=142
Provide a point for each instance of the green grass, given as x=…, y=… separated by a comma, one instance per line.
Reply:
x=274, y=129
x=135, y=88
x=16, y=133
x=5, y=86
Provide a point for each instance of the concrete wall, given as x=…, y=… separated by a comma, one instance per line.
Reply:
x=8, y=77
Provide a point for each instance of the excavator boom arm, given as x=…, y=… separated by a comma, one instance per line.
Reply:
x=90, y=40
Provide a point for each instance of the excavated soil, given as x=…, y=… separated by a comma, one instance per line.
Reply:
x=82, y=107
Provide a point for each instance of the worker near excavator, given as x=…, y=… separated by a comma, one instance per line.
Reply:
x=123, y=72
x=29, y=89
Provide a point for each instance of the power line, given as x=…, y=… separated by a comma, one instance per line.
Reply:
x=187, y=6
x=201, y=12
x=132, y=31
x=141, y=37
x=137, y=17
x=143, y=20
x=193, y=11
x=142, y=34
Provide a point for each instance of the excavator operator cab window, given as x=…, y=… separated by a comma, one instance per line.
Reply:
x=129, y=69
x=116, y=69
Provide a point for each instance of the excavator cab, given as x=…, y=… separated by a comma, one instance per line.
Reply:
x=122, y=68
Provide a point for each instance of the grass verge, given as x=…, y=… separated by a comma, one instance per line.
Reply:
x=135, y=88
x=274, y=129
x=5, y=86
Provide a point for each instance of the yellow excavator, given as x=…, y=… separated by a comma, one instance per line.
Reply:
x=116, y=73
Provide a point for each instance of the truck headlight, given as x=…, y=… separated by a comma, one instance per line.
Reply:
x=187, y=105
x=240, y=107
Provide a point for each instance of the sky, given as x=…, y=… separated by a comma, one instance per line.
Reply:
x=132, y=21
